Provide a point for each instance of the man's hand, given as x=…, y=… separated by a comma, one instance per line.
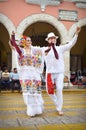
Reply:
x=13, y=33
x=78, y=29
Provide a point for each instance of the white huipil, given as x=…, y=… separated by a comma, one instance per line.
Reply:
x=56, y=68
x=31, y=73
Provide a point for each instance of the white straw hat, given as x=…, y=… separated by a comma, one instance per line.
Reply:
x=51, y=35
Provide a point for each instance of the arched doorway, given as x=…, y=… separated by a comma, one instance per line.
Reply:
x=78, y=53
x=38, y=32
x=6, y=28
x=46, y=19
x=5, y=51
x=51, y=22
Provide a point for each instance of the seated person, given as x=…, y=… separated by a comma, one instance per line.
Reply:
x=15, y=80
x=5, y=82
x=84, y=80
x=73, y=78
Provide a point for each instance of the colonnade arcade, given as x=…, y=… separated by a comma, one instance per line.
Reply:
x=37, y=26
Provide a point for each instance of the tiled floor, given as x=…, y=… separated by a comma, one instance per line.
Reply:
x=13, y=113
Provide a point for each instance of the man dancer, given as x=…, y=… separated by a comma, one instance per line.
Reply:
x=55, y=67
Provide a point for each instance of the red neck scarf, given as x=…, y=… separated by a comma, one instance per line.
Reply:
x=54, y=50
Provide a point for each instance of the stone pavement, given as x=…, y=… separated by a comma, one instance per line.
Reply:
x=13, y=113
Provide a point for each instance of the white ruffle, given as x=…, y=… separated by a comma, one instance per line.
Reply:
x=34, y=102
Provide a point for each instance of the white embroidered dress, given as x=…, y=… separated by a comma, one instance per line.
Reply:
x=29, y=68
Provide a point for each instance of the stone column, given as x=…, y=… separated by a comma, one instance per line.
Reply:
x=67, y=63
x=67, y=66
x=14, y=57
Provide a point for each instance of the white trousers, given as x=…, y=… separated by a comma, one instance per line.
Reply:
x=57, y=97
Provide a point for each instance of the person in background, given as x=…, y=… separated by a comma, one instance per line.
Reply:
x=55, y=67
x=84, y=80
x=5, y=79
x=4, y=66
x=73, y=78
x=15, y=84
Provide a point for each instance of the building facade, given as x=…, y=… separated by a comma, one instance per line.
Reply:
x=36, y=18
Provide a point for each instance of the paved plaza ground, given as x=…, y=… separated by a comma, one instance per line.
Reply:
x=13, y=112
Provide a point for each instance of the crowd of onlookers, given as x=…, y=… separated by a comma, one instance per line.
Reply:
x=9, y=80
x=78, y=78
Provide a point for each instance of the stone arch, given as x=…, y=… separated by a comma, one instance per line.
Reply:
x=80, y=23
x=7, y=23
x=51, y=20
x=80, y=50
x=43, y=18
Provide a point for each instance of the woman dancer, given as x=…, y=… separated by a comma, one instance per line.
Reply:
x=30, y=65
